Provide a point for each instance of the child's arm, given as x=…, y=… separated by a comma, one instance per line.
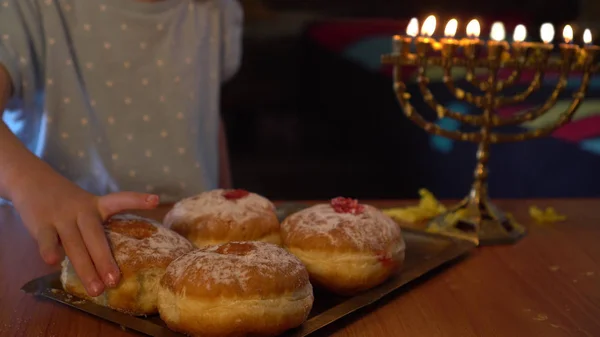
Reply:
x=58, y=213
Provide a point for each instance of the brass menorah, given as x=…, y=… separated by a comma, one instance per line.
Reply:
x=475, y=217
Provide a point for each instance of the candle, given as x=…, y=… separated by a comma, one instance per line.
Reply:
x=590, y=50
x=412, y=29
x=472, y=44
x=568, y=38
x=428, y=29
x=449, y=43
x=498, y=33
x=568, y=50
x=519, y=36
x=401, y=44
x=587, y=37
x=520, y=33
x=425, y=42
x=497, y=45
x=450, y=29
x=547, y=33
x=473, y=29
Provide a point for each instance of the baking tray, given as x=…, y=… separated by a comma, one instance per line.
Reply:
x=425, y=253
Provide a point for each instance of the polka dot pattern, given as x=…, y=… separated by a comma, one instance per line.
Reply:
x=130, y=102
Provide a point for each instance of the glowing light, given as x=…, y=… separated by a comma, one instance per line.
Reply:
x=498, y=33
x=547, y=32
x=451, y=28
x=520, y=33
x=413, y=27
x=473, y=29
x=587, y=36
x=568, y=34
x=428, y=26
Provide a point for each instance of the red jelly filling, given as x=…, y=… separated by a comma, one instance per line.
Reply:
x=235, y=194
x=386, y=260
x=347, y=205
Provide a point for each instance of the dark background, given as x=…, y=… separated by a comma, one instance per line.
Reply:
x=305, y=123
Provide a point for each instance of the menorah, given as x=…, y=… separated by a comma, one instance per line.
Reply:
x=476, y=217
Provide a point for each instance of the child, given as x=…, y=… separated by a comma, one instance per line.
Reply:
x=108, y=96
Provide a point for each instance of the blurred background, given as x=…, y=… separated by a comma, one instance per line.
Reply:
x=312, y=114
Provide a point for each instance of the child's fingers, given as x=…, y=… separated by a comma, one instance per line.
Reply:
x=80, y=258
x=49, y=246
x=122, y=201
x=92, y=231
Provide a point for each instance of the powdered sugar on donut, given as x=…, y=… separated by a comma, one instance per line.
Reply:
x=210, y=266
x=214, y=203
x=156, y=250
x=369, y=230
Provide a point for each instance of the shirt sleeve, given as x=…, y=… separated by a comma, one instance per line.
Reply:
x=21, y=45
x=233, y=17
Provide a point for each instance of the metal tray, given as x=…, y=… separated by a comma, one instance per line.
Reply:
x=425, y=252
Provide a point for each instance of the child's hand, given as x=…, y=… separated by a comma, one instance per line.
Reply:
x=61, y=213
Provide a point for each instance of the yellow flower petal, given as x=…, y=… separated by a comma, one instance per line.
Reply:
x=428, y=208
x=549, y=215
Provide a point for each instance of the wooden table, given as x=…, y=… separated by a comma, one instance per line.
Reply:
x=546, y=285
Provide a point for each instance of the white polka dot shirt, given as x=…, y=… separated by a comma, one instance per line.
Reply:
x=120, y=95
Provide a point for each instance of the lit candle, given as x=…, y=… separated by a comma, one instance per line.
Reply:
x=401, y=44
x=547, y=33
x=519, y=34
x=497, y=46
x=568, y=38
x=412, y=29
x=425, y=42
x=450, y=31
x=587, y=37
x=449, y=43
x=498, y=33
x=568, y=50
x=472, y=45
x=589, y=47
x=473, y=29
x=428, y=29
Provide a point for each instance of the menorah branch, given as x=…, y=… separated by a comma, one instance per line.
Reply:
x=564, y=118
x=441, y=110
x=461, y=94
x=409, y=110
x=535, y=85
x=471, y=77
x=522, y=59
x=512, y=78
x=532, y=114
x=539, y=58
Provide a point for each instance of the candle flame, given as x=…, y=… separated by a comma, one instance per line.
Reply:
x=428, y=26
x=412, y=29
x=473, y=29
x=451, y=28
x=520, y=33
x=547, y=32
x=568, y=34
x=498, y=33
x=587, y=36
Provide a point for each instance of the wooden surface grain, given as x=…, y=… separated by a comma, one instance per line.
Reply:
x=546, y=285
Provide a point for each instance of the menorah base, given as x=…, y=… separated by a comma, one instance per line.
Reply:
x=480, y=222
